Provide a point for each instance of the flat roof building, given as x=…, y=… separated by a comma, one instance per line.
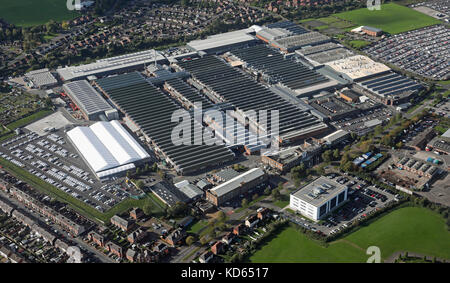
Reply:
x=41, y=79
x=220, y=43
x=103, y=67
x=90, y=102
x=236, y=186
x=318, y=198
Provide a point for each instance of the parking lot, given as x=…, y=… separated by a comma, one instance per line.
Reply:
x=424, y=51
x=357, y=125
x=363, y=200
x=54, y=160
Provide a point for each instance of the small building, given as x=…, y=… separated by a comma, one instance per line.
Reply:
x=349, y=95
x=136, y=236
x=239, y=229
x=236, y=186
x=132, y=255
x=206, y=257
x=251, y=221
x=123, y=224
x=115, y=249
x=176, y=237
x=371, y=31
x=137, y=213
x=218, y=248
x=262, y=213
x=228, y=238
x=335, y=137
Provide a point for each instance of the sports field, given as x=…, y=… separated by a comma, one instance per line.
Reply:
x=410, y=229
x=392, y=18
x=35, y=12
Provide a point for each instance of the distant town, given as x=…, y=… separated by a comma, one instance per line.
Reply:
x=95, y=169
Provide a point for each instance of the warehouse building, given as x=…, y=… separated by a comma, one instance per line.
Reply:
x=279, y=30
x=107, y=148
x=236, y=186
x=113, y=65
x=390, y=88
x=336, y=137
x=223, y=42
x=41, y=79
x=89, y=101
x=292, y=43
x=318, y=198
x=150, y=110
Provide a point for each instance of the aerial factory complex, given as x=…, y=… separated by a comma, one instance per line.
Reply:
x=215, y=149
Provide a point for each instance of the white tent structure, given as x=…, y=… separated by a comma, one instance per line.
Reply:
x=106, y=146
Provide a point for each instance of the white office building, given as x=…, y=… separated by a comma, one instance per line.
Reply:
x=318, y=198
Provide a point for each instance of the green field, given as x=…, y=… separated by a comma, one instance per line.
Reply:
x=35, y=12
x=410, y=229
x=392, y=18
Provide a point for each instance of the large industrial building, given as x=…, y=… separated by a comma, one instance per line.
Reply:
x=275, y=69
x=113, y=65
x=318, y=198
x=223, y=42
x=294, y=42
x=390, y=88
x=107, y=148
x=150, y=110
x=227, y=84
x=236, y=186
x=90, y=102
x=358, y=67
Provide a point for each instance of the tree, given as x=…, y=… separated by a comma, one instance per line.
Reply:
x=221, y=216
x=140, y=184
x=203, y=240
x=190, y=240
x=244, y=202
x=147, y=209
x=276, y=194
x=267, y=191
x=326, y=155
x=336, y=154
x=255, y=197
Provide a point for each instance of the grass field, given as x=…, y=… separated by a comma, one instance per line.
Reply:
x=31, y=12
x=410, y=229
x=392, y=18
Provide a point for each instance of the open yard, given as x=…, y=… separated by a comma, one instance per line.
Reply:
x=410, y=229
x=392, y=18
x=32, y=12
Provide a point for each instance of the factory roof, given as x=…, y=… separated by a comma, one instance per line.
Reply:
x=41, y=78
x=104, y=66
x=297, y=41
x=335, y=136
x=222, y=39
x=151, y=110
x=86, y=97
x=246, y=94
